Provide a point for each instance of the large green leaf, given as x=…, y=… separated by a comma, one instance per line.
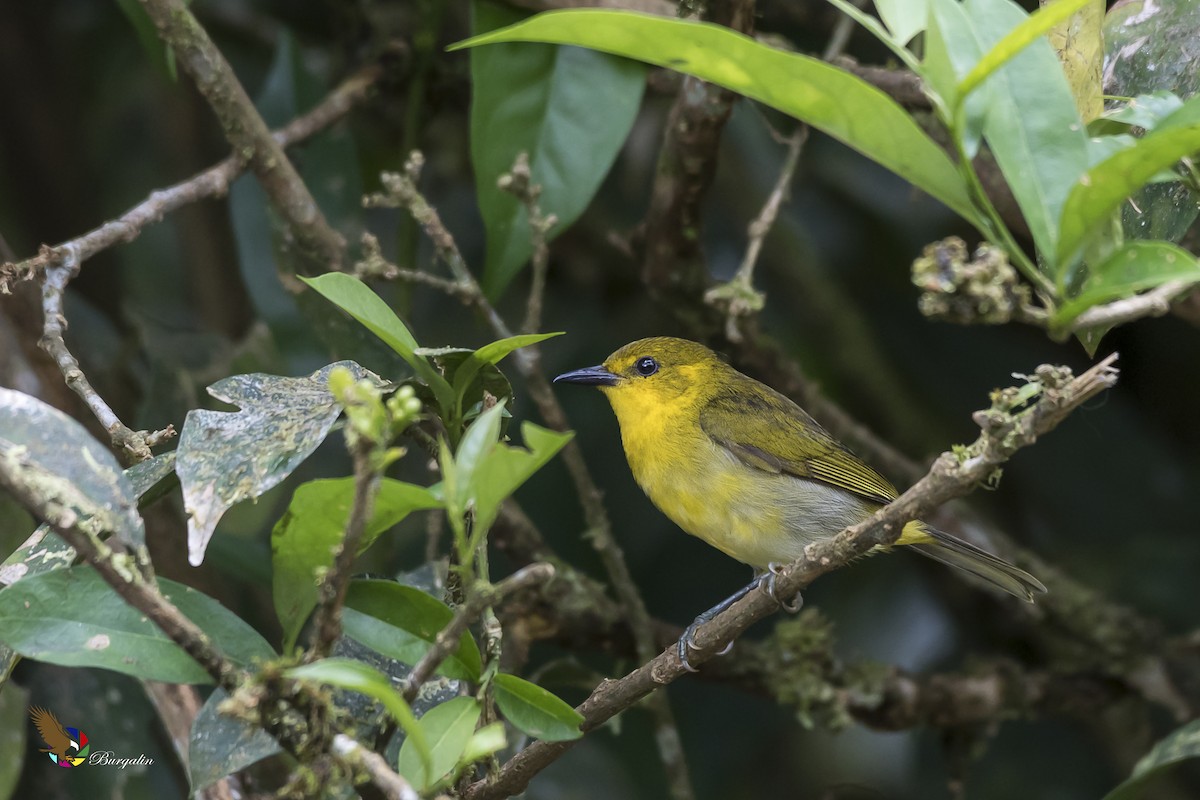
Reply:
x=568, y=109
x=1134, y=266
x=221, y=745
x=493, y=353
x=904, y=18
x=304, y=539
x=536, y=711
x=1032, y=125
x=831, y=100
x=1032, y=28
x=71, y=617
x=448, y=728
x=360, y=301
x=505, y=468
x=359, y=677
x=951, y=50
x=229, y=456
x=1100, y=191
x=403, y=622
x=1181, y=744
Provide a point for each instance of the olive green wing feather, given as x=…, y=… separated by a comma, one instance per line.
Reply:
x=767, y=431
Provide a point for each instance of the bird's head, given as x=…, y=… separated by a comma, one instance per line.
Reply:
x=652, y=375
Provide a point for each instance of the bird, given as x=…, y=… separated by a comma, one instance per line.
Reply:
x=59, y=743
x=732, y=461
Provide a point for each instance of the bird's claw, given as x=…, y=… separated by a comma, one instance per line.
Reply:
x=687, y=642
x=773, y=571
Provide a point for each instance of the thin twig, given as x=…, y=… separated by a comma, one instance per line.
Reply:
x=1001, y=436
x=212, y=182
x=383, y=777
x=246, y=131
x=136, y=444
x=327, y=621
x=1154, y=303
x=738, y=296
x=519, y=182
x=483, y=596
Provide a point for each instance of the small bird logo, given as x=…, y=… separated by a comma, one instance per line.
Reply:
x=67, y=747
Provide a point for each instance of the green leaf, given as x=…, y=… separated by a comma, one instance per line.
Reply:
x=877, y=29
x=831, y=100
x=359, y=677
x=486, y=741
x=159, y=53
x=1180, y=745
x=493, y=353
x=226, y=457
x=73, y=618
x=505, y=468
x=1133, y=267
x=1145, y=111
x=403, y=622
x=448, y=729
x=951, y=50
x=1103, y=188
x=48, y=448
x=569, y=109
x=360, y=301
x=904, y=18
x=1026, y=33
x=535, y=711
x=304, y=539
x=1032, y=125
x=479, y=440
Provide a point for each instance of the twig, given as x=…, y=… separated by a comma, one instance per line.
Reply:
x=383, y=777
x=738, y=296
x=1154, y=303
x=1003, y=433
x=401, y=191
x=327, y=621
x=213, y=182
x=482, y=597
x=519, y=182
x=246, y=131
x=136, y=444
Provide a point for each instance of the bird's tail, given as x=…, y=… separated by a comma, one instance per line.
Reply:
x=980, y=563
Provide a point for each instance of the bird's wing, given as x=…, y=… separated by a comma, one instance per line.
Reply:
x=56, y=738
x=767, y=431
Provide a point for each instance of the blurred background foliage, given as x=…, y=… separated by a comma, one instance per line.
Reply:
x=94, y=118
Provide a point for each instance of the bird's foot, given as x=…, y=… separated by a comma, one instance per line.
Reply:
x=687, y=642
x=773, y=571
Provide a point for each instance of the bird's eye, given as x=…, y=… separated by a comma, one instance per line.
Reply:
x=646, y=366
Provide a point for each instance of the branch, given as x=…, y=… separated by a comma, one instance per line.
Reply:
x=738, y=297
x=482, y=597
x=327, y=621
x=246, y=131
x=213, y=182
x=519, y=183
x=1003, y=433
x=391, y=784
x=670, y=251
x=1154, y=303
x=136, y=444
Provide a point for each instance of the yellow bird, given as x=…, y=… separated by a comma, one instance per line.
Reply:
x=739, y=465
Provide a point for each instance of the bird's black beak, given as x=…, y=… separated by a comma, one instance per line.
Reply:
x=589, y=376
